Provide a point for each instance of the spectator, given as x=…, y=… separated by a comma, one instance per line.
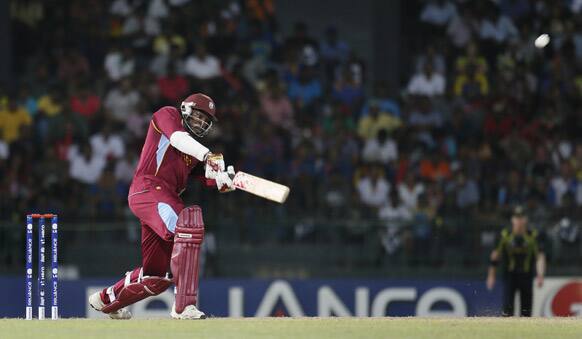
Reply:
x=394, y=212
x=121, y=7
x=334, y=52
x=4, y=150
x=51, y=104
x=303, y=172
x=348, y=153
x=576, y=161
x=501, y=120
x=369, y=125
x=167, y=41
x=518, y=150
x=357, y=67
x=119, y=64
x=147, y=87
x=63, y=129
x=467, y=191
x=12, y=120
x=85, y=166
x=122, y=101
x=160, y=63
x=178, y=3
x=261, y=42
x=410, y=190
x=349, y=92
x=73, y=66
x=541, y=166
x=85, y=103
x=27, y=100
x=438, y=12
x=158, y=9
x=125, y=168
x=381, y=149
x=336, y=196
x=107, y=196
x=383, y=101
x=373, y=188
x=564, y=182
x=107, y=144
x=471, y=58
x=433, y=58
x=276, y=106
x=425, y=116
x=512, y=192
x=202, y=66
x=422, y=224
x=256, y=55
x=436, y=168
x=305, y=90
x=427, y=82
x=395, y=216
x=4, y=147
x=137, y=122
x=173, y=87
x=471, y=84
x=301, y=46
x=498, y=28
x=138, y=22
x=269, y=151
x=461, y=29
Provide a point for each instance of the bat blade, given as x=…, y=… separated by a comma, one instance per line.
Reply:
x=261, y=187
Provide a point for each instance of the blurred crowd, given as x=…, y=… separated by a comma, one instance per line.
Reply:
x=484, y=119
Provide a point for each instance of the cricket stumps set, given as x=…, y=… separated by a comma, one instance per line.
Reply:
x=54, y=281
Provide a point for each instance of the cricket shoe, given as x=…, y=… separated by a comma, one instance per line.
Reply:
x=190, y=312
x=98, y=304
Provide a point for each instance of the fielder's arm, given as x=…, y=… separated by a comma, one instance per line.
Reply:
x=492, y=271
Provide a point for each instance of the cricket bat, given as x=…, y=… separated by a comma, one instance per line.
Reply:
x=261, y=187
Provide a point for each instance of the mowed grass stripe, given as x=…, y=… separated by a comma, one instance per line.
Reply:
x=302, y=328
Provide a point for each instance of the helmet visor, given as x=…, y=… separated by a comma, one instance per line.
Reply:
x=198, y=122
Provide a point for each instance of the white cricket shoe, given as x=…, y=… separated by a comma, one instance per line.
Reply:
x=97, y=304
x=190, y=312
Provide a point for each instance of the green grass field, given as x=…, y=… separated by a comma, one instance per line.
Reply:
x=301, y=328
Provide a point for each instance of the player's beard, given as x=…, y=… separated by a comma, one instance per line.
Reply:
x=198, y=124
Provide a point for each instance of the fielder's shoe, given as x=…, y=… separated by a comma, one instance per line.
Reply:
x=98, y=304
x=190, y=312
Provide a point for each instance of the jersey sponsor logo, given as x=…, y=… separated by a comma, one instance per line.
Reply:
x=187, y=159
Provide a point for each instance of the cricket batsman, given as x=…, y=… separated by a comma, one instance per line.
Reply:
x=171, y=233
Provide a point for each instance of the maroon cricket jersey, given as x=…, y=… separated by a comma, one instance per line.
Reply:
x=160, y=159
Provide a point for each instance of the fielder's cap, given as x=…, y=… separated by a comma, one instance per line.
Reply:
x=518, y=211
